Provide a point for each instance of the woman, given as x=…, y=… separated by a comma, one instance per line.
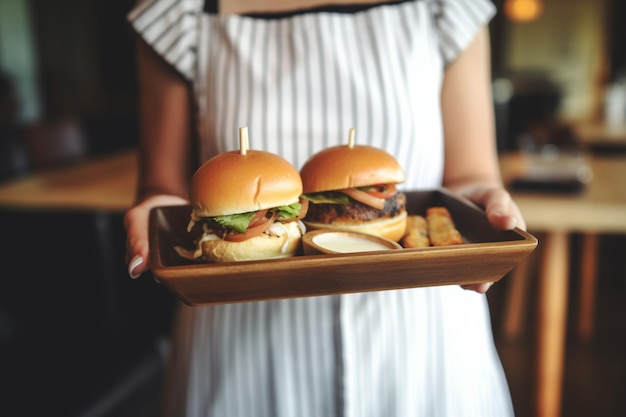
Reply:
x=413, y=78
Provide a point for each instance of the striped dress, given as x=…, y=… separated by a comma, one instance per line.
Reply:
x=300, y=82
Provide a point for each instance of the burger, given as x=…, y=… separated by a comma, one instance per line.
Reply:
x=353, y=187
x=246, y=206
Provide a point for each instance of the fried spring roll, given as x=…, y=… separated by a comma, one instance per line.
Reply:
x=416, y=234
x=441, y=228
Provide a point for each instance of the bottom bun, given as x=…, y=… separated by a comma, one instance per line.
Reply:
x=391, y=228
x=261, y=247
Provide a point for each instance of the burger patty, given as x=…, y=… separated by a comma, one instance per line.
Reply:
x=355, y=211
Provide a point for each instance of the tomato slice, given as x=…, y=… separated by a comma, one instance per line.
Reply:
x=259, y=218
x=382, y=191
x=365, y=198
x=258, y=225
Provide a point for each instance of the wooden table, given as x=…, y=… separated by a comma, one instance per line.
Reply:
x=601, y=208
x=100, y=184
x=599, y=134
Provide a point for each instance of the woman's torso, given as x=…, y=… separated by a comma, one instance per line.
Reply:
x=299, y=83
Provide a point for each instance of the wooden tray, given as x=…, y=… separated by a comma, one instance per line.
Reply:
x=488, y=255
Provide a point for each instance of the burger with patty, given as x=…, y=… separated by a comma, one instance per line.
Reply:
x=247, y=204
x=353, y=187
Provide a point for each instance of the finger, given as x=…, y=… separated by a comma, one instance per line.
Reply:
x=136, y=222
x=501, y=220
x=500, y=209
x=505, y=214
x=136, y=266
x=495, y=201
x=137, y=245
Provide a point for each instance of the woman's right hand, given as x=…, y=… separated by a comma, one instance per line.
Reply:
x=136, y=224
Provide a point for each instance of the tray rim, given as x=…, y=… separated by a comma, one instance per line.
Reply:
x=176, y=276
x=528, y=241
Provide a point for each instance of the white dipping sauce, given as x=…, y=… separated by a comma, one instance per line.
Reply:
x=346, y=244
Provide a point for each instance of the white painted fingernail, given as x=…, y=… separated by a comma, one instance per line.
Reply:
x=134, y=263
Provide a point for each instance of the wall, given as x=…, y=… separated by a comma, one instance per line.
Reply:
x=18, y=56
x=568, y=44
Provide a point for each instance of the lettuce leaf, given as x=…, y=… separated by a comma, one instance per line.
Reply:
x=237, y=222
x=289, y=212
x=330, y=197
x=240, y=222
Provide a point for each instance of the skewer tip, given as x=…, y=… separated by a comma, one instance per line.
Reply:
x=243, y=140
x=351, y=138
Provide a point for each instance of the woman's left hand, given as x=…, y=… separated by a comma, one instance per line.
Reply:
x=501, y=211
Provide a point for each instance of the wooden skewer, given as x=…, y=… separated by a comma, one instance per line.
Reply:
x=351, y=138
x=243, y=140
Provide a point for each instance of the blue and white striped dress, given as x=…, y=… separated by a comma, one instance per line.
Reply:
x=299, y=82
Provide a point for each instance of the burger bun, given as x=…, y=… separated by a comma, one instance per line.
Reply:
x=233, y=183
x=341, y=167
x=264, y=246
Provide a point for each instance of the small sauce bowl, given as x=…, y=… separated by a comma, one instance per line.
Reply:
x=319, y=242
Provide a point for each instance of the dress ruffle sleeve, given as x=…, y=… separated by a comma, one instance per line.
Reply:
x=457, y=22
x=171, y=28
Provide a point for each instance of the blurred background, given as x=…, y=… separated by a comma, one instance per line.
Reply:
x=79, y=338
